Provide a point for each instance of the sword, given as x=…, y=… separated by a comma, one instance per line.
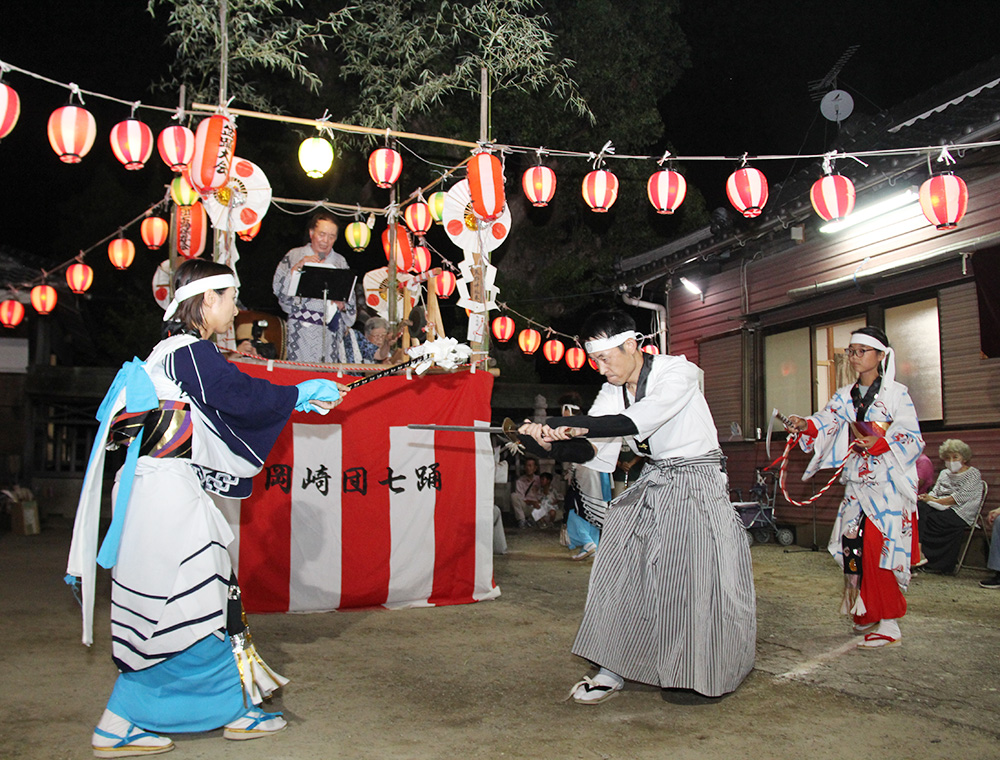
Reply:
x=381, y=373
x=508, y=429
x=775, y=415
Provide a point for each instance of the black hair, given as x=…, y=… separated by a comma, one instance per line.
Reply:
x=874, y=332
x=545, y=475
x=571, y=398
x=604, y=324
x=187, y=319
x=322, y=216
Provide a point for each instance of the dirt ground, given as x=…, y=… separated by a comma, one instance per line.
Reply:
x=488, y=680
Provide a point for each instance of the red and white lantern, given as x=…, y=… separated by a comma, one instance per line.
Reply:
x=832, y=197
x=43, y=298
x=503, y=328
x=403, y=251
x=747, y=191
x=249, y=233
x=71, y=133
x=539, y=184
x=10, y=110
x=600, y=190
x=357, y=235
x=418, y=218
x=176, y=147
x=214, y=144
x=486, y=186
x=421, y=259
x=651, y=348
x=79, y=277
x=132, y=143
x=154, y=231
x=529, y=340
x=11, y=313
x=121, y=252
x=385, y=166
x=944, y=199
x=444, y=284
x=666, y=190
x=553, y=350
x=192, y=230
x=575, y=357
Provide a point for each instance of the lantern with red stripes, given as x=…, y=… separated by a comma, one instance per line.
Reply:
x=553, y=350
x=486, y=186
x=421, y=259
x=121, y=252
x=358, y=236
x=539, y=185
x=43, y=298
x=132, y=143
x=249, y=233
x=10, y=110
x=192, y=230
x=418, y=218
x=575, y=357
x=651, y=348
x=747, y=191
x=71, y=133
x=79, y=277
x=182, y=193
x=666, y=190
x=600, y=190
x=444, y=284
x=214, y=143
x=154, y=231
x=384, y=166
x=436, y=205
x=503, y=328
x=529, y=340
x=944, y=199
x=832, y=197
x=176, y=147
x=11, y=313
x=403, y=250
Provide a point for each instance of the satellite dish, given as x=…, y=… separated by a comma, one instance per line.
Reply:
x=836, y=105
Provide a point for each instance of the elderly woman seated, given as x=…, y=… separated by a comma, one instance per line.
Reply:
x=375, y=343
x=949, y=508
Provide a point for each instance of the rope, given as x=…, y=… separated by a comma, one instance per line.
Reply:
x=783, y=468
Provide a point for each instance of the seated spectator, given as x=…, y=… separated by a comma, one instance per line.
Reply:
x=527, y=493
x=587, y=496
x=949, y=508
x=374, y=344
x=548, y=512
x=993, y=525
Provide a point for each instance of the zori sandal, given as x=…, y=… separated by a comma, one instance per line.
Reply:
x=593, y=691
x=875, y=640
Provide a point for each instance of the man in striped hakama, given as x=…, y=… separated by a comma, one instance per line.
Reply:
x=671, y=599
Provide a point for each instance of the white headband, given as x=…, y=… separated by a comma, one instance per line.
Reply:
x=888, y=362
x=205, y=284
x=602, y=344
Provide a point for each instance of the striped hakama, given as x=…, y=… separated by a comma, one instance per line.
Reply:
x=671, y=600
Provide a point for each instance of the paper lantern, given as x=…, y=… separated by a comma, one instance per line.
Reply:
x=121, y=251
x=539, y=184
x=132, y=143
x=444, y=284
x=182, y=192
x=358, y=236
x=79, y=277
x=529, y=340
x=575, y=357
x=192, y=230
x=249, y=233
x=214, y=144
x=666, y=190
x=403, y=254
x=10, y=110
x=436, y=205
x=315, y=156
x=651, y=348
x=503, y=329
x=176, y=147
x=71, y=133
x=486, y=186
x=553, y=350
x=421, y=259
x=11, y=313
x=154, y=231
x=747, y=191
x=43, y=298
x=944, y=199
x=418, y=218
x=384, y=166
x=600, y=190
x=832, y=197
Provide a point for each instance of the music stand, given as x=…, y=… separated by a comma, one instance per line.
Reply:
x=324, y=282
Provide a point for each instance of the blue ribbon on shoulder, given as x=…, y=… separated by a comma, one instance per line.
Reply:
x=140, y=396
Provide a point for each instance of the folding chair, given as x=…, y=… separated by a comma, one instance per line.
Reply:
x=979, y=524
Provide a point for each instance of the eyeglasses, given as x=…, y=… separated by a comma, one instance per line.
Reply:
x=858, y=351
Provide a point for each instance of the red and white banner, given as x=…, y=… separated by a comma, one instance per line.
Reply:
x=354, y=509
